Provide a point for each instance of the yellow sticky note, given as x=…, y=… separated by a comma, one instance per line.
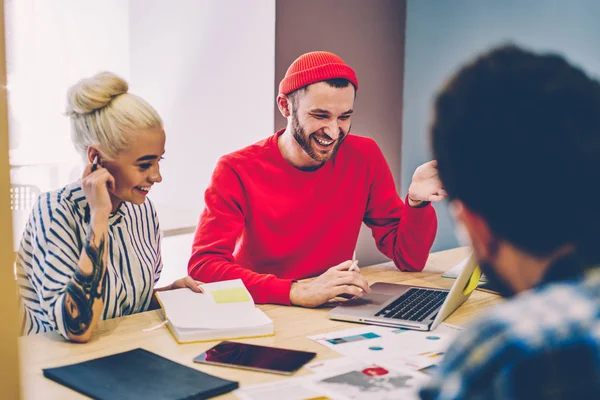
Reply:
x=473, y=281
x=231, y=295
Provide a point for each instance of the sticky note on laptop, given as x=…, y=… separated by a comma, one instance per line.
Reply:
x=473, y=281
x=230, y=295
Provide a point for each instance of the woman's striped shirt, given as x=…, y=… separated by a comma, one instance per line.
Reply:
x=52, y=244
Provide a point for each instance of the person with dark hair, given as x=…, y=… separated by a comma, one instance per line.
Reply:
x=290, y=207
x=517, y=138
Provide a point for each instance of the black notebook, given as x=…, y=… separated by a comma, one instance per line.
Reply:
x=138, y=374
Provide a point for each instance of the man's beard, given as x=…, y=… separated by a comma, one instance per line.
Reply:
x=496, y=282
x=304, y=141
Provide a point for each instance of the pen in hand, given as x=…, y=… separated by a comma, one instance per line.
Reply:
x=354, y=265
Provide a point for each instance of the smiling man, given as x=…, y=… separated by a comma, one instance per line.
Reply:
x=290, y=207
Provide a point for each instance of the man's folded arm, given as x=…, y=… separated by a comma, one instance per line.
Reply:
x=221, y=224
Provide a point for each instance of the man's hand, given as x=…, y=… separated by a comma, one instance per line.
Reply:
x=426, y=185
x=332, y=283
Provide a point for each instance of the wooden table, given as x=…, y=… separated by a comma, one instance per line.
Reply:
x=292, y=325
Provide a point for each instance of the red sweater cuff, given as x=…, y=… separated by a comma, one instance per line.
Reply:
x=278, y=292
x=418, y=214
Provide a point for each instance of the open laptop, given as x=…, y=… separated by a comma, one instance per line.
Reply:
x=412, y=307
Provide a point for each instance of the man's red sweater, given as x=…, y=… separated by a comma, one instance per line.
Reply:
x=269, y=223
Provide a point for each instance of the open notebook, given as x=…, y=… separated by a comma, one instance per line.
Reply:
x=224, y=311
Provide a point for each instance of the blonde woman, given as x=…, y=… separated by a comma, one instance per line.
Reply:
x=91, y=250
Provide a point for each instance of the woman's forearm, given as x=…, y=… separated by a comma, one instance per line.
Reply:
x=84, y=297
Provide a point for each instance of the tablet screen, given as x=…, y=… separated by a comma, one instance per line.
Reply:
x=263, y=358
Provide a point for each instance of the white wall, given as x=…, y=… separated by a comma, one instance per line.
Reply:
x=207, y=66
x=441, y=35
x=50, y=46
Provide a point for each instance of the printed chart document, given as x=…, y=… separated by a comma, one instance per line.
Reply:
x=287, y=389
x=392, y=347
x=341, y=379
x=380, y=363
x=225, y=310
x=346, y=378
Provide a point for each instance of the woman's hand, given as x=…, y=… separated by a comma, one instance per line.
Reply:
x=186, y=282
x=97, y=183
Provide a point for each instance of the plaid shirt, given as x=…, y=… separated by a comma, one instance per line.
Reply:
x=541, y=344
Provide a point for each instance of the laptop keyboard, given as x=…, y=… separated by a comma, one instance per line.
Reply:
x=414, y=305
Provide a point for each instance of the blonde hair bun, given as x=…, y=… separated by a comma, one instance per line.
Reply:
x=94, y=93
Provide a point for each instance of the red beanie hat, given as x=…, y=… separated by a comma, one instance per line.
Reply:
x=315, y=67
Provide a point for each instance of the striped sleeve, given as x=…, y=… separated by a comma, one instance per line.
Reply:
x=158, y=242
x=29, y=301
x=50, y=250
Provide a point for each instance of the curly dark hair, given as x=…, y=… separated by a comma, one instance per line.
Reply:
x=517, y=139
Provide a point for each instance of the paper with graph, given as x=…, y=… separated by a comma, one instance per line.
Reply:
x=341, y=379
x=393, y=347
